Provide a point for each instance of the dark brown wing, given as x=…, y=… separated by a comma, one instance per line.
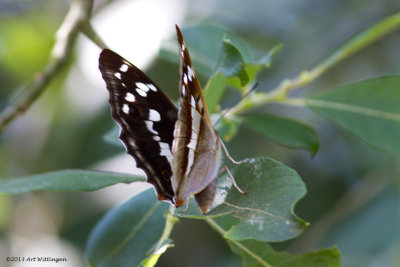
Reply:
x=146, y=116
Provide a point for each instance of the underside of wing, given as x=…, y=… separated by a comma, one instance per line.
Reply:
x=196, y=146
x=147, y=119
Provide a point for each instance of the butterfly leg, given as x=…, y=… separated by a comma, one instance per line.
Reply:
x=226, y=169
x=186, y=207
x=227, y=153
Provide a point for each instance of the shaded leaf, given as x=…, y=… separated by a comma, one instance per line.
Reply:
x=112, y=137
x=126, y=235
x=284, y=131
x=368, y=109
x=66, y=181
x=231, y=63
x=226, y=127
x=205, y=54
x=255, y=253
x=265, y=212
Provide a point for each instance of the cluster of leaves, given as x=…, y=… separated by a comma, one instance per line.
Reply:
x=137, y=232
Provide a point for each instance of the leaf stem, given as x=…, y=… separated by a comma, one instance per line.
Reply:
x=169, y=225
x=220, y=230
x=348, y=48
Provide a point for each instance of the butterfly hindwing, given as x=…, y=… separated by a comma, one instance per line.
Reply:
x=146, y=116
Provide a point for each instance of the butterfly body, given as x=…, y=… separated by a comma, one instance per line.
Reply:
x=179, y=150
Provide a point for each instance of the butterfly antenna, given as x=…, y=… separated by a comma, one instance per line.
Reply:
x=243, y=97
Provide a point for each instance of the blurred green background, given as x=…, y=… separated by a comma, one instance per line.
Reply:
x=353, y=190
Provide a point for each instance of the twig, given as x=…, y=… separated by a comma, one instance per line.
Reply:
x=250, y=253
x=78, y=15
x=348, y=48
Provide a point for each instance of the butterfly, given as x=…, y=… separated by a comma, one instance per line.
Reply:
x=178, y=149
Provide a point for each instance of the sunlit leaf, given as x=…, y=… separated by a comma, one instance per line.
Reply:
x=214, y=89
x=66, y=181
x=284, y=131
x=151, y=260
x=126, y=235
x=369, y=109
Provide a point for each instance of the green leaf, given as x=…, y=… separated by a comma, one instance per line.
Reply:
x=284, y=131
x=204, y=42
x=254, y=68
x=214, y=89
x=227, y=127
x=126, y=235
x=66, y=181
x=231, y=63
x=369, y=109
x=217, y=84
x=153, y=258
x=112, y=137
x=255, y=253
x=265, y=211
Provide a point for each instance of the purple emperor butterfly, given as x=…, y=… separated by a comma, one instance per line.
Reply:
x=179, y=150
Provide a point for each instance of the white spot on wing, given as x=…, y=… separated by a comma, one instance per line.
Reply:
x=192, y=101
x=123, y=68
x=183, y=91
x=154, y=115
x=201, y=107
x=142, y=86
x=166, y=151
x=185, y=80
x=152, y=87
x=190, y=162
x=190, y=73
x=149, y=125
x=194, y=134
x=125, y=108
x=156, y=138
x=118, y=75
x=130, y=97
x=141, y=92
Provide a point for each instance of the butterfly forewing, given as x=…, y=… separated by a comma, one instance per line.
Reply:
x=146, y=116
x=196, y=147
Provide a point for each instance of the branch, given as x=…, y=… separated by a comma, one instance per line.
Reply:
x=78, y=17
x=354, y=44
